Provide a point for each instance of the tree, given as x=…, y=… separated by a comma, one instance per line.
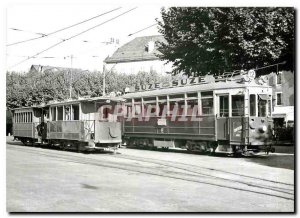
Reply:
x=218, y=40
x=27, y=89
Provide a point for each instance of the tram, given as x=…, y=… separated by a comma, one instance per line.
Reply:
x=229, y=114
x=83, y=124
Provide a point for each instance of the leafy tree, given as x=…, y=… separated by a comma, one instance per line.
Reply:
x=26, y=89
x=217, y=40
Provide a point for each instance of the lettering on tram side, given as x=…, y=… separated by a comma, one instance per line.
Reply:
x=239, y=128
x=176, y=83
x=113, y=113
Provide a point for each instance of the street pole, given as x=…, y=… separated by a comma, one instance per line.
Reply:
x=103, y=91
x=70, y=87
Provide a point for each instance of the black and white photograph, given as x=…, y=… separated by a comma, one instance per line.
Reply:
x=131, y=108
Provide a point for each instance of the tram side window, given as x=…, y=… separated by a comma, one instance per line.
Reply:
x=161, y=107
x=207, y=103
x=150, y=106
x=75, y=112
x=128, y=111
x=150, y=109
x=180, y=110
x=53, y=113
x=68, y=112
x=106, y=112
x=237, y=105
x=60, y=113
x=191, y=106
x=176, y=107
x=138, y=109
x=207, y=106
x=252, y=105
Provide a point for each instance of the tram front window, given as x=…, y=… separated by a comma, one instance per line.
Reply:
x=252, y=105
x=237, y=105
x=262, y=108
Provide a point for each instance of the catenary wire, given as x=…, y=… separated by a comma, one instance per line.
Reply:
x=65, y=28
x=142, y=29
x=58, y=43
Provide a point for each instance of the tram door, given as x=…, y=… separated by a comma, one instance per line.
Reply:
x=222, y=117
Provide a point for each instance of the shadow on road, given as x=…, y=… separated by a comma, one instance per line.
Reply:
x=278, y=161
x=11, y=142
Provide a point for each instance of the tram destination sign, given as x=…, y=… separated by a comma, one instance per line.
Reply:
x=175, y=83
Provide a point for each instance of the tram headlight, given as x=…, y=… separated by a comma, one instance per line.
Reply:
x=263, y=129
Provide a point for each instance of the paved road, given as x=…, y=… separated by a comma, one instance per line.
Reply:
x=43, y=180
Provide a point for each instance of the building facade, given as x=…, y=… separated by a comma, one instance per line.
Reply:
x=283, y=96
x=139, y=55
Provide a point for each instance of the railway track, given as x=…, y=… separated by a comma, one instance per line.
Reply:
x=174, y=170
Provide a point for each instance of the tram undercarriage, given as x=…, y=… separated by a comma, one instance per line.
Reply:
x=209, y=147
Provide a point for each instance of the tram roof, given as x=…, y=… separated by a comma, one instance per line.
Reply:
x=70, y=101
x=194, y=88
x=92, y=99
x=23, y=108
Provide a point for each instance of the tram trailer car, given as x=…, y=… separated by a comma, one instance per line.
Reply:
x=233, y=115
x=79, y=125
x=25, y=124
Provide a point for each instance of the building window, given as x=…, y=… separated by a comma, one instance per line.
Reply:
x=278, y=79
x=279, y=98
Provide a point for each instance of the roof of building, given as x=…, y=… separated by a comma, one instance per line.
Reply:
x=137, y=50
x=42, y=69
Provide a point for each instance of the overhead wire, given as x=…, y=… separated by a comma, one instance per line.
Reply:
x=59, y=30
x=78, y=34
x=142, y=29
x=27, y=31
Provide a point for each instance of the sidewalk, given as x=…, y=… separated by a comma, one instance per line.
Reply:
x=287, y=149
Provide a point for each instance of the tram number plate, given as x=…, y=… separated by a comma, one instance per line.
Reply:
x=161, y=122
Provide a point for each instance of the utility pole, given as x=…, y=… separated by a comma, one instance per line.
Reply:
x=70, y=87
x=103, y=91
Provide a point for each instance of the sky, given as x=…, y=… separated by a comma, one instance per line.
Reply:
x=88, y=55
x=32, y=18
